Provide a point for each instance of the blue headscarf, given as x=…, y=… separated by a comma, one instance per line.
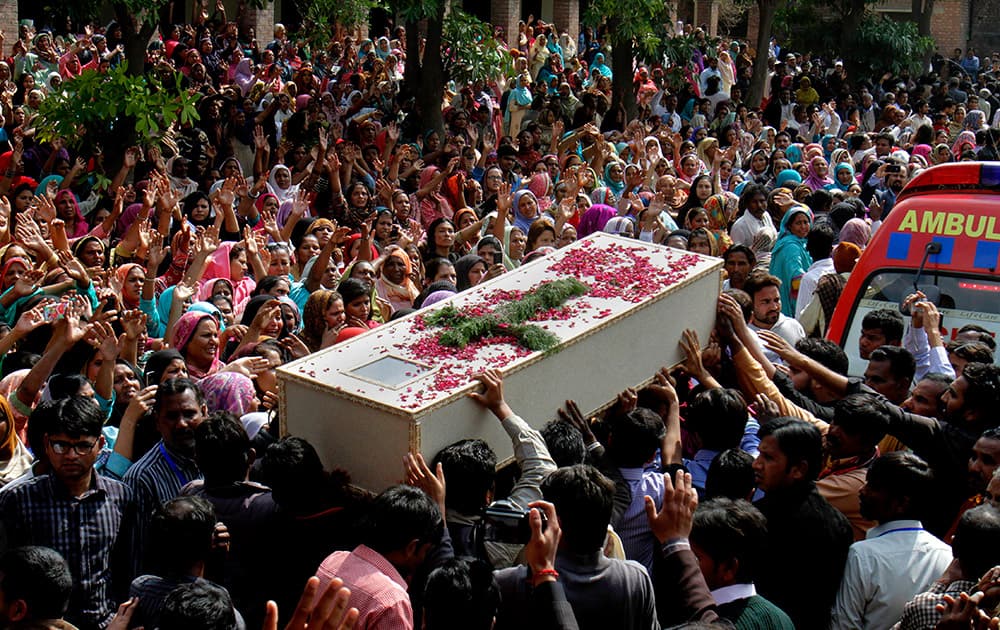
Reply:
x=520, y=221
x=616, y=187
x=793, y=153
x=790, y=259
x=843, y=166
x=599, y=66
x=787, y=176
x=42, y=185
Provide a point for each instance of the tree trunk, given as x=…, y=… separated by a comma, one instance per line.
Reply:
x=851, y=22
x=924, y=25
x=135, y=35
x=424, y=77
x=766, y=9
x=623, y=94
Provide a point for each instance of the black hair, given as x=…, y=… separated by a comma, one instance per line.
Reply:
x=222, y=449
x=636, y=436
x=819, y=241
x=583, y=498
x=175, y=387
x=18, y=360
x=977, y=540
x=75, y=416
x=431, y=266
x=741, y=249
x=352, y=288
x=890, y=322
x=461, y=594
x=399, y=516
x=825, y=352
x=971, y=351
x=180, y=534
x=293, y=470
x=199, y=605
x=158, y=362
x=470, y=472
x=564, y=442
x=66, y=385
x=718, y=416
x=984, y=335
x=269, y=282
x=727, y=530
x=902, y=365
x=40, y=577
x=983, y=393
x=903, y=474
x=864, y=415
x=759, y=280
x=730, y=475
x=798, y=440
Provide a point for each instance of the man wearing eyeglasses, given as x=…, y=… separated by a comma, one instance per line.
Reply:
x=86, y=517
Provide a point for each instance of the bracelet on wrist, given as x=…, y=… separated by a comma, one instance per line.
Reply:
x=545, y=572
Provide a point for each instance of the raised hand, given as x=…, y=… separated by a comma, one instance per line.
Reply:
x=571, y=415
x=419, y=475
x=44, y=207
x=28, y=282
x=30, y=320
x=675, y=517
x=74, y=268
x=185, y=289
x=328, y=612
x=134, y=323
x=132, y=156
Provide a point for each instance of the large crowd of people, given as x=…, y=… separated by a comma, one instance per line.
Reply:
x=145, y=309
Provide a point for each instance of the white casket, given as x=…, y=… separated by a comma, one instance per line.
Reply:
x=365, y=403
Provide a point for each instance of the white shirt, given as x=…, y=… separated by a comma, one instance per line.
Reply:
x=787, y=328
x=733, y=592
x=746, y=228
x=896, y=561
x=807, y=284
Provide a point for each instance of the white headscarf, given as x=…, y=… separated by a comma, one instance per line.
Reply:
x=283, y=194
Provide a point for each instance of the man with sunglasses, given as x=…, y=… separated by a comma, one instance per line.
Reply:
x=86, y=517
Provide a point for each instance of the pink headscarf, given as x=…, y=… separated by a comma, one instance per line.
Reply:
x=434, y=205
x=539, y=185
x=814, y=181
x=228, y=391
x=183, y=333
x=923, y=150
x=218, y=267
x=963, y=138
x=80, y=227
x=595, y=218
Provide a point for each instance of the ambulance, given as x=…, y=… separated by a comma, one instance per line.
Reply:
x=942, y=237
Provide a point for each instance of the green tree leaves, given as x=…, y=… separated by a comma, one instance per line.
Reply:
x=114, y=111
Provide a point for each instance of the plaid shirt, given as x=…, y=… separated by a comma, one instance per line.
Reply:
x=93, y=533
x=920, y=612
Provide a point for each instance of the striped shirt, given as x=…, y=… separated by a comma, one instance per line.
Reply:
x=637, y=537
x=155, y=479
x=93, y=533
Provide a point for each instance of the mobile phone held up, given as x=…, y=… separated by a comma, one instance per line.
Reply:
x=508, y=524
x=53, y=311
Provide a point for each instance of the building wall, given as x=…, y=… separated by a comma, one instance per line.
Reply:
x=8, y=23
x=949, y=27
x=950, y=24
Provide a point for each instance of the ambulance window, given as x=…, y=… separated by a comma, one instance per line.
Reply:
x=963, y=300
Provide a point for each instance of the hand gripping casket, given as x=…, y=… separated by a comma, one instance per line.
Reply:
x=403, y=386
